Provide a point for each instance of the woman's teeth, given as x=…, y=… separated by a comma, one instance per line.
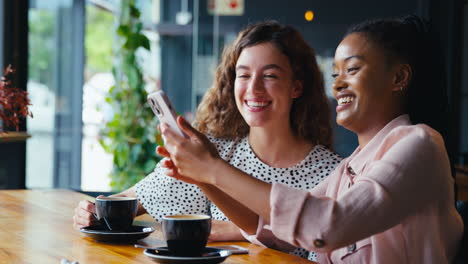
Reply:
x=257, y=104
x=345, y=100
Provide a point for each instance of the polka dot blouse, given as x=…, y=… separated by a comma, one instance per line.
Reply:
x=162, y=195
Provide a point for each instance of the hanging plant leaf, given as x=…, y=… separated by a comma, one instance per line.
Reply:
x=134, y=12
x=143, y=41
x=123, y=30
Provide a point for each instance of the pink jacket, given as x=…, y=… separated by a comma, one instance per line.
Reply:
x=389, y=202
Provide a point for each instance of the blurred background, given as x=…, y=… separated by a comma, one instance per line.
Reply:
x=73, y=56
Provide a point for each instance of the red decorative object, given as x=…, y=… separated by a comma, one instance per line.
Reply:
x=233, y=4
x=14, y=102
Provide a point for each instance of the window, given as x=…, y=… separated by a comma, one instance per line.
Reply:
x=55, y=85
x=70, y=64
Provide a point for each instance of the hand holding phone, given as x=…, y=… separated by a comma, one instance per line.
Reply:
x=162, y=108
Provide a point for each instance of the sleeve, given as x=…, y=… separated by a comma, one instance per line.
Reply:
x=264, y=235
x=321, y=189
x=387, y=191
x=161, y=195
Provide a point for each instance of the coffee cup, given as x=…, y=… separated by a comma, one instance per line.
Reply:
x=116, y=213
x=186, y=235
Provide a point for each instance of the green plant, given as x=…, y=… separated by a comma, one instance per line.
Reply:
x=131, y=136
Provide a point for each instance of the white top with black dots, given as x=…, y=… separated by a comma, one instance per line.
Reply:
x=162, y=195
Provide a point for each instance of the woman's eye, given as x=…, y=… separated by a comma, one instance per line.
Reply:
x=243, y=76
x=270, y=76
x=334, y=75
x=353, y=69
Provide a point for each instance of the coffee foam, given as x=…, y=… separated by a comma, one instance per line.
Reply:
x=115, y=198
x=186, y=217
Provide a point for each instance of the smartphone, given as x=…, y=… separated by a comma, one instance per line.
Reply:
x=234, y=249
x=162, y=108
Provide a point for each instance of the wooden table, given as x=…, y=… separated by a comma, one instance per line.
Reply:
x=36, y=227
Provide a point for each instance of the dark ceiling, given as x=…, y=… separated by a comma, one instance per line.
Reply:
x=332, y=17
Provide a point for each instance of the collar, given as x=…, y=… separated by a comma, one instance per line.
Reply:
x=360, y=157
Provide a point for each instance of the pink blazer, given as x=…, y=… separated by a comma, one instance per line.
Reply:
x=389, y=202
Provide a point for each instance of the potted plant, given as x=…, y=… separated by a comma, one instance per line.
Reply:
x=14, y=104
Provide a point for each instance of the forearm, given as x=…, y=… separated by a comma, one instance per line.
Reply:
x=249, y=192
x=242, y=216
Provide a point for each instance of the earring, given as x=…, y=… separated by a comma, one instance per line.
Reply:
x=402, y=87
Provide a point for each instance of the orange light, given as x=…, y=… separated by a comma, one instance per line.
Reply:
x=309, y=15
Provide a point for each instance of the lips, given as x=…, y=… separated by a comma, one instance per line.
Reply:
x=257, y=105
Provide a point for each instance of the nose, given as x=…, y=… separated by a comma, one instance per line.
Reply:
x=256, y=84
x=339, y=84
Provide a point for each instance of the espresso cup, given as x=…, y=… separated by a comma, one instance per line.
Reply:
x=116, y=213
x=186, y=235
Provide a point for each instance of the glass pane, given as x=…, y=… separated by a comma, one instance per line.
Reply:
x=39, y=157
x=55, y=86
x=96, y=164
x=99, y=43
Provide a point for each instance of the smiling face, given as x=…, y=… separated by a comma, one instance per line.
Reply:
x=264, y=87
x=364, y=85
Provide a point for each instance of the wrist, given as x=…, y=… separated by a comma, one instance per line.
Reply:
x=216, y=168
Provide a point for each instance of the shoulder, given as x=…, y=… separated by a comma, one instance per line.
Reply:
x=414, y=136
x=410, y=145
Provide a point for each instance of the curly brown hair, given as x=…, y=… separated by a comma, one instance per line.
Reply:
x=218, y=115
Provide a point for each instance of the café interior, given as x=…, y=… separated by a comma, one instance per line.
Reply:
x=70, y=55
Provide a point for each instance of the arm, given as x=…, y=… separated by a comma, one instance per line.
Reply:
x=225, y=231
x=196, y=160
x=241, y=215
x=386, y=192
x=239, y=189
